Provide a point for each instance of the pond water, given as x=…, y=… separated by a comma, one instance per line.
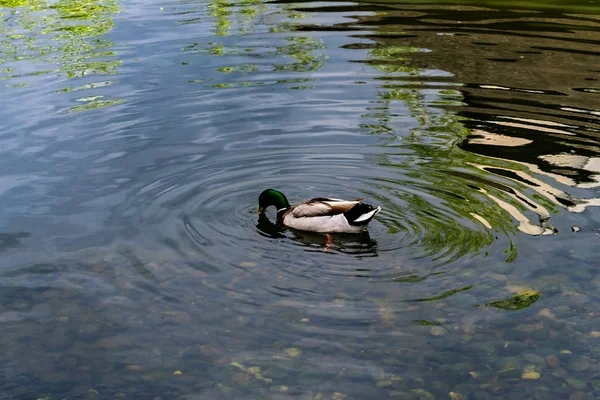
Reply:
x=137, y=135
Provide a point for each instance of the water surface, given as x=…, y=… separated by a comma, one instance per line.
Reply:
x=136, y=137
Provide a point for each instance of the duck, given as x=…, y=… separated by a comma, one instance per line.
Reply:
x=321, y=214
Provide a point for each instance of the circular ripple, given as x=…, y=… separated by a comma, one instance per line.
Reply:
x=212, y=212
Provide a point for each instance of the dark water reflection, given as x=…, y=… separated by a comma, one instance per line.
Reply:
x=136, y=138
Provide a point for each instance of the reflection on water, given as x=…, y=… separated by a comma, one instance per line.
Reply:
x=133, y=265
x=63, y=39
x=489, y=134
x=356, y=244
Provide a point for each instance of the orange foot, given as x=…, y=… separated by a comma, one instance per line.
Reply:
x=328, y=243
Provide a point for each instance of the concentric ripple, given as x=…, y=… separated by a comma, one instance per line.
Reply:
x=210, y=209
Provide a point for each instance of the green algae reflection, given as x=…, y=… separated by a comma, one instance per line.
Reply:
x=63, y=38
x=292, y=52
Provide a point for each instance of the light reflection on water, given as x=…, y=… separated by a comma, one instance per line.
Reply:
x=138, y=136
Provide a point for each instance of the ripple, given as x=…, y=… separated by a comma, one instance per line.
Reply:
x=211, y=208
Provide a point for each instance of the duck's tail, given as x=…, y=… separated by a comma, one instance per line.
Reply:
x=361, y=214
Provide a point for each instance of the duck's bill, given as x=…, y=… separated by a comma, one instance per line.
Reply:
x=260, y=210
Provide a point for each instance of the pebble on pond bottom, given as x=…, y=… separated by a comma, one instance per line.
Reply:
x=531, y=375
x=437, y=331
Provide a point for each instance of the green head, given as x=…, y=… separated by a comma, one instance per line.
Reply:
x=272, y=197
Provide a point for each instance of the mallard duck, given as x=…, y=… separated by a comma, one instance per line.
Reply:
x=320, y=214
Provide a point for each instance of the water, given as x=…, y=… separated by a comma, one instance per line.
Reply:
x=136, y=137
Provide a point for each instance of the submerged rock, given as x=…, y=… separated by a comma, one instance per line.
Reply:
x=437, y=331
x=531, y=375
x=513, y=348
x=467, y=338
x=595, y=351
x=580, y=396
x=279, y=388
x=560, y=373
x=253, y=370
x=486, y=349
x=576, y=383
x=384, y=383
x=247, y=264
x=224, y=388
x=376, y=372
x=292, y=351
x=546, y=313
x=440, y=386
x=210, y=350
x=457, y=396
x=579, y=364
x=531, y=372
x=418, y=383
x=313, y=378
x=553, y=361
x=92, y=394
x=240, y=377
x=423, y=394
x=534, y=359
x=275, y=372
x=509, y=362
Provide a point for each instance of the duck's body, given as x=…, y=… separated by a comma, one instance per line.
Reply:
x=320, y=214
